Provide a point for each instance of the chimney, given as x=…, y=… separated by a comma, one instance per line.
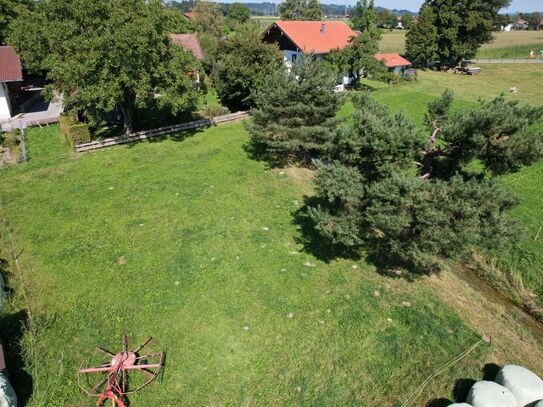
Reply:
x=323, y=27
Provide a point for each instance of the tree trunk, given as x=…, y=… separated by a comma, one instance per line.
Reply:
x=127, y=112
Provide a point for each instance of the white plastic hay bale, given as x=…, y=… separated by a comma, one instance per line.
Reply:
x=7, y=395
x=490, y=394
x=460, y=405
x=523, y=383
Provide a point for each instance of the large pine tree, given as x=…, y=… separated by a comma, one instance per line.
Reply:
x=462, y=27
x=421, y=40
x=412, y=200
x=295, y=111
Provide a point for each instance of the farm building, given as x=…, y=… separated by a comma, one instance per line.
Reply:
x=295, y=38
x=11, y=73
x=394, y=62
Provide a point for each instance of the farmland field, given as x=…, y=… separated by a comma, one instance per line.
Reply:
x=190, y=240
x=515, y=44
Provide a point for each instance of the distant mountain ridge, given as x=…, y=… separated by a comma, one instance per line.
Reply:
x=268, y=8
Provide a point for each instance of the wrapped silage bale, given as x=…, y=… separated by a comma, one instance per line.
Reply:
x=490, y=394
x=7, y=395
x=523, y=383
x=460, y=405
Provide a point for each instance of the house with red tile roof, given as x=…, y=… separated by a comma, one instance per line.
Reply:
x=296, y=38
x=394, y=62
x=11, y=71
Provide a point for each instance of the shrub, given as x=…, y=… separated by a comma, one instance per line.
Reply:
x=74, y=132
x=13, y=141
x=213, y=110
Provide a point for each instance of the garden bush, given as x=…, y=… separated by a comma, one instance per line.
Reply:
x=74, y=132
x=13, y=141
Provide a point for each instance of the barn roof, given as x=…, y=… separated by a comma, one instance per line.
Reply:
x=392, y=60
x=319, y=37
x=10, y=65
x=189, y=42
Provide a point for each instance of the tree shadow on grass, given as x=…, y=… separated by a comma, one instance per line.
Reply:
x=326, y=251
x=462, y=387
x=313, y=243
x=177, y=137
x=439, y=403
x=258, y=152
x=12, y=328
x=490, y=371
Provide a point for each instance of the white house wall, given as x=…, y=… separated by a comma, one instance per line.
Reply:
x=5, y=108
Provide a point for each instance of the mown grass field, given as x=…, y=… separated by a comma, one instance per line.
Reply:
x=515, y=44
x=191, y=241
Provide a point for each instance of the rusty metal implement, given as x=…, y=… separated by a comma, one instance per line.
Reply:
x=109, y=380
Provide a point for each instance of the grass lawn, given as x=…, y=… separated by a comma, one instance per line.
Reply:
x=190, y=241
x=393, y=41
x=505, y=45
x=493, y=80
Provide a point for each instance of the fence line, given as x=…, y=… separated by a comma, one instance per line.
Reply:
x=161, y=131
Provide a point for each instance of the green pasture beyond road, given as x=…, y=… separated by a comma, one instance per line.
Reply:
x=515, y=44
x=189, y=240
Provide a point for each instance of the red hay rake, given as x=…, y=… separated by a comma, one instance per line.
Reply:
x=110, y=381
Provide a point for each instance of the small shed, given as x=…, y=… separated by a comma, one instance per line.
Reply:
x=394, y=62
x=11, y=72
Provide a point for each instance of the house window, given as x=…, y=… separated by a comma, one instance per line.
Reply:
x=294, y=57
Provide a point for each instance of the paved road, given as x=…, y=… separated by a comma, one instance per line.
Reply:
x=40, y=112
x=508, y=61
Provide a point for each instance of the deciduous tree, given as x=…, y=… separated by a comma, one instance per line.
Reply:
x=364, y=15
x=107, y=54
x=309, y=10
x=358, y=58
x=9, y=10
x=244, y=61
x=239, y=12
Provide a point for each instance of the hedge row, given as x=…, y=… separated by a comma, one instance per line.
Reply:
x=74, y=132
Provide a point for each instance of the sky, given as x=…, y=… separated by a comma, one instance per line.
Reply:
x=516, y=5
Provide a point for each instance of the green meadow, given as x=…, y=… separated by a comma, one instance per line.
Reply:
x=190, y=240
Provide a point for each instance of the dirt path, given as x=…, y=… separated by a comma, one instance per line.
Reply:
x=514, y=338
